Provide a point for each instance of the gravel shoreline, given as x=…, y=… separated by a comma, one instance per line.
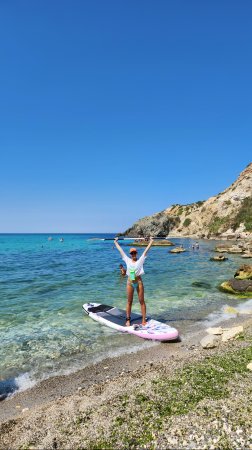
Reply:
x=112, y=404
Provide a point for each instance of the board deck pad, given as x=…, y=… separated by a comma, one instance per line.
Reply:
x=115, y=318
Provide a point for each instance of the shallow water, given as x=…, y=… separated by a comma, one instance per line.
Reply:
x=43, y=285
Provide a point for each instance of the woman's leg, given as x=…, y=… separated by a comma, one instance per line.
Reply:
x=130, y=293
x=140, y=291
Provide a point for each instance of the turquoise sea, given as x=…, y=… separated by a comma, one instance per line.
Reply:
x=43, y=284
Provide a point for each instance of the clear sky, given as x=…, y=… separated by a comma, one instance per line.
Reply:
x=111, y=110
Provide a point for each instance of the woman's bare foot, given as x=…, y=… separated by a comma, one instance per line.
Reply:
x=127, y=324
x=144, y=321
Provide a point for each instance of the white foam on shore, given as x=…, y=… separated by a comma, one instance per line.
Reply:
x=24, y=382
x=98, y=358
x=223, y=314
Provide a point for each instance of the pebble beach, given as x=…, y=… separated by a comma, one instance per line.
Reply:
x=175, y=395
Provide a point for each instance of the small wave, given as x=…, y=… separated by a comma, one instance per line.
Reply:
x=24, y=382
x=12, y=385
x=227, y=312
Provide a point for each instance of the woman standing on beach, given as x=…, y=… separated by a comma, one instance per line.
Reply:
x=134, y=272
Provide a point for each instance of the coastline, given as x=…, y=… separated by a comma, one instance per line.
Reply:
x=40, y=417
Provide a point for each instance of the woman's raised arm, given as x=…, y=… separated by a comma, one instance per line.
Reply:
x=148, y=246
x=119, y=248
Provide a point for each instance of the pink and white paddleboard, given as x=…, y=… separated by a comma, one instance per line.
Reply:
x=115, y=318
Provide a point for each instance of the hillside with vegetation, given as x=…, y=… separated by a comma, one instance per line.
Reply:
x=226, y=215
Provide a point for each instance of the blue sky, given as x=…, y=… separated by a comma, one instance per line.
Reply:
x=113, y=110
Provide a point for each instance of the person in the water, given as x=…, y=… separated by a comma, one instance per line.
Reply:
x=122, y=270
x=134, y=272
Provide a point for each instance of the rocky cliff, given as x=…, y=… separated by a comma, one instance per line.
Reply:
x=226, y=215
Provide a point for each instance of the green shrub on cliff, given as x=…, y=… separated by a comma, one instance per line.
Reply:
x=200, y=202
x=216, y=225
x=244, y=215
x=187, y=222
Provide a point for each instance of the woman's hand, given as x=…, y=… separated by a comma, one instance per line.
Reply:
x=148, y=246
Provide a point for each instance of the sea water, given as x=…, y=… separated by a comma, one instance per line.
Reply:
x=44, y=280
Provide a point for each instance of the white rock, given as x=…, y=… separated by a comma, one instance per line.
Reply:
x=209, y=341
x=249, y=366
x=25, y=410
x=231, y=333
x=217, y=330
x=245, y=311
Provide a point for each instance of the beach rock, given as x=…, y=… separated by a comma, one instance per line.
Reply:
x=235, y=286
x=244, y=272
x=177, y=250
x=210, y=341
x=235, y=249
x=245, y=311
x=219, y=258
x=157, y=243
x=247, y=255
x=231, y=333
x=249, y=366
x=217, y=330
x=223, y=249
x=25, y=410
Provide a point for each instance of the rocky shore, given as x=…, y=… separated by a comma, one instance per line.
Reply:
x=175, y=395
x=227, y=215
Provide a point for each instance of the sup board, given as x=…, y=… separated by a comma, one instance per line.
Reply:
x=115, y=318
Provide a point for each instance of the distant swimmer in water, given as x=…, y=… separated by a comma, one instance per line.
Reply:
x=122, y=270
x=134, y=272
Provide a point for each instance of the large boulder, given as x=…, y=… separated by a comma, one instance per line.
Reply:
x=244, y=272
x=222, y=249
x=219, y=258
x=229, y=249
x=177, y=250
x=215, y=330
x=247, y=255
x=232, y=333
x=236, y=249
x=240, y=287
x=210, y=341
x=156, y=243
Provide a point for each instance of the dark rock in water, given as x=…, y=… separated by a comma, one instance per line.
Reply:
x=219, y=258
x=201, y=284
x=7, y=387
x=244, y=272
x=156, y=243
x=235, y=286
x=178, y=250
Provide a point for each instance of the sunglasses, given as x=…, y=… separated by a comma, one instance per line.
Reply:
x=133, y=253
